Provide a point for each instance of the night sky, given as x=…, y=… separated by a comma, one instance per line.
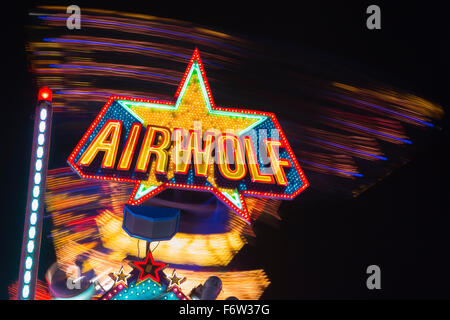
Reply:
x=324, y=243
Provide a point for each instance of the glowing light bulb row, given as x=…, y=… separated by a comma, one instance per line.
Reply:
x=34, y=204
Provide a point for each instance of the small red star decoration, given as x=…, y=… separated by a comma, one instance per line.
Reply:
x=149, y=268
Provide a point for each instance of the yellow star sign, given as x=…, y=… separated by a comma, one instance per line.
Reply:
x=189, y=143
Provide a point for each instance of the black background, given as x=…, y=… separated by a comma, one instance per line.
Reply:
x=323, y=247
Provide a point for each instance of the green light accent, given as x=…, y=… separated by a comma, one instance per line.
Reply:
x=126, y=106
x=143, y=190
x=234, y=198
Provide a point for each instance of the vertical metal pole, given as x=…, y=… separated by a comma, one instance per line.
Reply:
x=31, y=243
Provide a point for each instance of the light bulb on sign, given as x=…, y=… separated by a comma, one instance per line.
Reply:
x=45, y=94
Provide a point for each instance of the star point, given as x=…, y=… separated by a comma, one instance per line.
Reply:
x=149, y=268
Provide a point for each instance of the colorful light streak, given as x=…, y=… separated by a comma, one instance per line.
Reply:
x=183, y=248
x=111, y=69
x=333, y=169
x=183, y=35
x=104, y=94
x=368, y=130
x=405, y=102
x=347, y=148
x=41, y=291
x=371, y=105
x=87, y=219
x=126, y=46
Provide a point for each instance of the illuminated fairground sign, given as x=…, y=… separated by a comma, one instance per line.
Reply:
x=189, y=143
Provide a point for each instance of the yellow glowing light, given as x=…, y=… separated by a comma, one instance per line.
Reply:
x=159, y=149
x=215, y=250
x=240, y=169
x=107, y=140
x=127, y=155
x=244, y=285
x=188, y=249
x=277, y=163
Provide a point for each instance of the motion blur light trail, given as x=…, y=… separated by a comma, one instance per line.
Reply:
x=346, y=130
x=87, y=224
x=41, y=291
x=417, y=108
x=247, y=285
x=125, y=47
